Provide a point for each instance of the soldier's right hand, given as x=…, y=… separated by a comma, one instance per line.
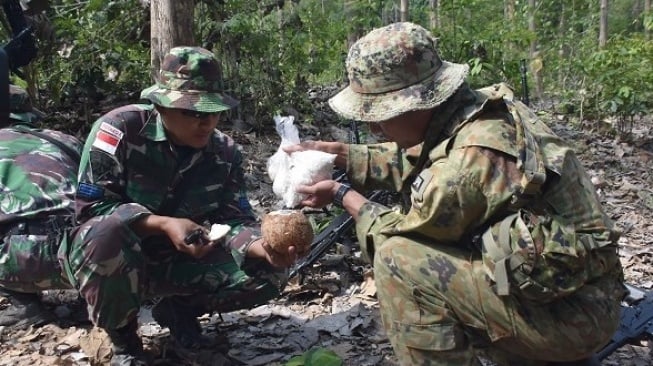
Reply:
x=179, y=229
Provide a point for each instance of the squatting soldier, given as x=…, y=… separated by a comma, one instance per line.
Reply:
x=505, y=247
x=38, y=170
x=151, y=174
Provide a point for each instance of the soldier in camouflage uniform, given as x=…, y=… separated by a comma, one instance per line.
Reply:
x=37, y=181
x=150, y=175
x=505, y=250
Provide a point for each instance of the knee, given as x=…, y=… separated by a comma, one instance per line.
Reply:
x=104, y=238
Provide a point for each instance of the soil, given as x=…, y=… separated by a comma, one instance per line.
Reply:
x=334, y=306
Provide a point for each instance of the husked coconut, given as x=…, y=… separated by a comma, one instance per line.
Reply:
x=285, y=228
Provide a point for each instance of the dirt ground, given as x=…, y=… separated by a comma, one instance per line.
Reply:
x=334, y=305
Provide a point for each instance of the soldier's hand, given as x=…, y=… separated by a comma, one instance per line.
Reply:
x=319, y=194
x=261, y=249
x=189, y=237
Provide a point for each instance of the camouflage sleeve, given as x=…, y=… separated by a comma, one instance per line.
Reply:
x=237, y=211
x=101, y=187
x=380, y=166
x=456, y=194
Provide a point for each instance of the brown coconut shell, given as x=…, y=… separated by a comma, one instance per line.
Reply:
x=284, y=228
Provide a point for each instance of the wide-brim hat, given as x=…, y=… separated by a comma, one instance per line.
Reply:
x=393, y=70
x=190, y=78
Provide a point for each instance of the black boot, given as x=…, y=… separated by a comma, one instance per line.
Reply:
x=180, y=316
x=24, y=310
x=127, y=346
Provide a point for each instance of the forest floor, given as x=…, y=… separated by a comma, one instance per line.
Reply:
x=334, y=307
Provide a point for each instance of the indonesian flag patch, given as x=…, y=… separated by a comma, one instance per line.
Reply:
x=107, y=138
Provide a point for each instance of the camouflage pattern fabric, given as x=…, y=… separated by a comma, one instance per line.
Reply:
x=129, y=169
x=190, y=78
x=393, y=70
x=38, y=182
x=21, y=106
x=437, y=301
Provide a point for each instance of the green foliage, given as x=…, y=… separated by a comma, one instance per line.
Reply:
x=619, y=81
x=98, y=51
x=316, y=357
x=274, y=51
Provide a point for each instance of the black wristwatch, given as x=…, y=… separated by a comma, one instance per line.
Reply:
x=340, y=194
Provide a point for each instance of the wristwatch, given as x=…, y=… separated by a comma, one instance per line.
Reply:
x=340, y=194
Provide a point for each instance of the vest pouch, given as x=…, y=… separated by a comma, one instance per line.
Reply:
x=537, y=258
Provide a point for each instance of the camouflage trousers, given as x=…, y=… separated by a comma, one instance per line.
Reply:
x=115, y=272
x=438, y=308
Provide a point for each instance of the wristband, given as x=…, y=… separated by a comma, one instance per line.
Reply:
x=340, y=194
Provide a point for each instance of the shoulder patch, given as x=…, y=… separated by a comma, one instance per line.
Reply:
x=107, y=138
x=419, y=185
x=89, y=191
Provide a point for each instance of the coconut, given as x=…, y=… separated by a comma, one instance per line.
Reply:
x=284, y=228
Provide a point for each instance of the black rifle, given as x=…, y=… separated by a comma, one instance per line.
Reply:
x=636, y=322
x=328, y=237
x=524, y=82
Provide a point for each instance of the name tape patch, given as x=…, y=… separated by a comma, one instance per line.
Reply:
x=90, y=191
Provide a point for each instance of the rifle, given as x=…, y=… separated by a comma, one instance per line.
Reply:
x=524, y=82
x=636, y=322
x=328, y=237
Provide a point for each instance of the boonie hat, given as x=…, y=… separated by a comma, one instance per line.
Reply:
x=393, y=70
x=21, y=108
x=190, y=78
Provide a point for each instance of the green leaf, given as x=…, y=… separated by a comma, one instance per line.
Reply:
x=316, y=357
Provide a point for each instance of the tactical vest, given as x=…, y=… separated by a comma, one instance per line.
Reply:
x=555, y=237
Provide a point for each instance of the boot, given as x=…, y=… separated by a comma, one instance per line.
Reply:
x=181, y=318
x=25, y=310
x=127, y=346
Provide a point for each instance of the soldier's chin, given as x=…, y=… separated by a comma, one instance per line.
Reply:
x=199, y=142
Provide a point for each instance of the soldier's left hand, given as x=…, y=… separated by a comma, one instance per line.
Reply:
x=262, y=249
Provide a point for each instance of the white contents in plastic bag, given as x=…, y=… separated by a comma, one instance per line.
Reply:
x=288, y=171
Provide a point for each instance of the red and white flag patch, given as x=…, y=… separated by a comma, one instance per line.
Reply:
x=107, y=138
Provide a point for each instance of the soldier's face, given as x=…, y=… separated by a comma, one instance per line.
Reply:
x=406, y=129
x=189, y=128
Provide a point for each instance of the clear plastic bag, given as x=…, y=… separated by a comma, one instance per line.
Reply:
x=288, y=171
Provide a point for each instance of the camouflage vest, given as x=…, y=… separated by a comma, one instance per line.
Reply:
x=555, y=237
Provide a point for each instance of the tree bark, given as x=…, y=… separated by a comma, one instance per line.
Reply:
x=536, y=58
x=603, y=25
x=509, y=9
x=647, y=12
x=434, y=14
x=171, y=26
x=403, y=10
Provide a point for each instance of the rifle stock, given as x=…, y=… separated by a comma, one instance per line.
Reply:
x=636, y=322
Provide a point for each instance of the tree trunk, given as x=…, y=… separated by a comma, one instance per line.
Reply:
x=171, y=26
x=434, y=15
x=403, y=10
x=603, y=26
x=647, y=13
x=509, y=9
x=536, y=59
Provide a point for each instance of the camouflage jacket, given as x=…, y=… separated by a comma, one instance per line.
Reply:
x=36, y=177
x=462, y=187
x=131, y=169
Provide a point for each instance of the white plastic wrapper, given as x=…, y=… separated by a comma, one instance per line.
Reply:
x=288, y=171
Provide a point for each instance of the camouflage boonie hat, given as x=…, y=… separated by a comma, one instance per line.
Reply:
x=393, y=70
x=21, y=108
x=190, y=78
